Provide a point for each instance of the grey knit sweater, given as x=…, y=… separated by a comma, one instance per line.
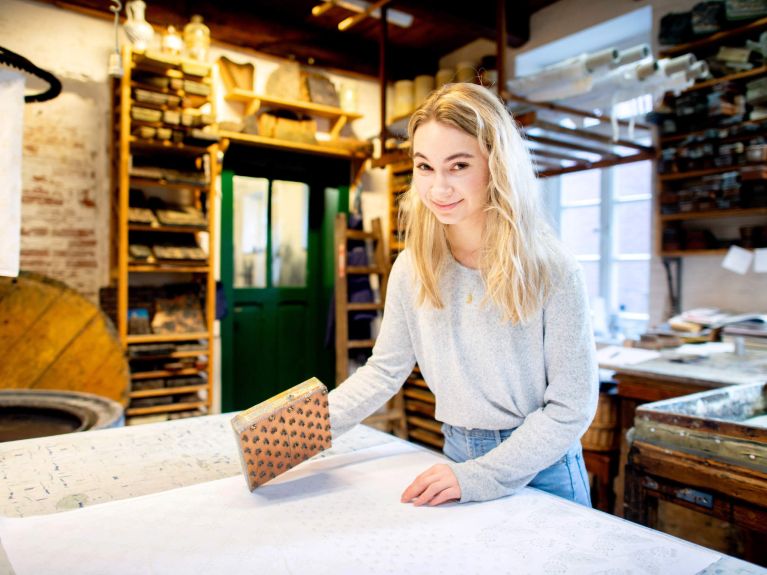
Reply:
x=540, y=377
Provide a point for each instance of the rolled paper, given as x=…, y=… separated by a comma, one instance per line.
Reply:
x=646, y=70
x=403, y=97
x=681, y=63
x=423, y=85
x=601, y=59
x=444, y=76
x=633, y=54
x=698, y=70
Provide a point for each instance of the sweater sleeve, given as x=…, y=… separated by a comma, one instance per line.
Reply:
x=386, y=369
x=569, y=402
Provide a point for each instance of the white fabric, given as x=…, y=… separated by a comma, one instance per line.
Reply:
x=11, y=132
x=336, y=515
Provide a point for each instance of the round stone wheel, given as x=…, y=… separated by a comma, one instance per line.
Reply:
x=51, y=337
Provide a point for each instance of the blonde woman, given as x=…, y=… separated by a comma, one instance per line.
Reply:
x=491, y=308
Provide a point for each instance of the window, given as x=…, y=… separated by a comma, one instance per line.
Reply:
x=604, y=218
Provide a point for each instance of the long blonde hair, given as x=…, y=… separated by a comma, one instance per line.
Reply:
x=520, y=257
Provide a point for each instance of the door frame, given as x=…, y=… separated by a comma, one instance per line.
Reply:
x=320, y=173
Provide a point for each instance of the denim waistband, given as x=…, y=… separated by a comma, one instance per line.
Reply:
x=497, y=434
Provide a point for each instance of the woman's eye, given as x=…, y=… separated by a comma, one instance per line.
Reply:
x=423, y=167
x=460, y=166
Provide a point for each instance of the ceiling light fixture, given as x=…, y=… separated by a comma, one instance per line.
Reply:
x=396, y=17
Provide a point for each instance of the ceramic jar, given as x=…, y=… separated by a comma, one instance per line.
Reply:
x=138, y=30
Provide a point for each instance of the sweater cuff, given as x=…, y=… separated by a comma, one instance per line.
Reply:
x=465, y=474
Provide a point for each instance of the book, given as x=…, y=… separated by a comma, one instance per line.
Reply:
x=283, y=431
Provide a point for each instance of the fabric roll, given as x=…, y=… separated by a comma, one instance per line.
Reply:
x=11, y=132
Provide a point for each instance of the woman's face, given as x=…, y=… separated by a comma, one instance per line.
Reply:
x=450, y=173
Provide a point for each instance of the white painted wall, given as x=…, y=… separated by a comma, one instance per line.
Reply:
x=704, y=282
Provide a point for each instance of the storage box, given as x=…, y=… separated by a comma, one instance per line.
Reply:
x=726, y=424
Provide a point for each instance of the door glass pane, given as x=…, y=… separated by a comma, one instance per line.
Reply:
x=290, y=227
x=250, y=227
x=580, y=230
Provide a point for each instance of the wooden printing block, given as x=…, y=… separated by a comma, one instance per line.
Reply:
x=283, y=431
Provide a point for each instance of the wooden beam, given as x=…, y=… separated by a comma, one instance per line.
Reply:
x=509, y=97
x=586, y=135
x=571, y=146
x=600, y=164
x=557, y=155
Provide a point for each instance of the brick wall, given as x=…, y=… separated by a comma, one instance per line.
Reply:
x=65, y=194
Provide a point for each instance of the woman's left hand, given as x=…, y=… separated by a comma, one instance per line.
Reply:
x=436, y=485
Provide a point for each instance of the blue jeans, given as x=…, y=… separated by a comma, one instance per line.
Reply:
x=566, y=478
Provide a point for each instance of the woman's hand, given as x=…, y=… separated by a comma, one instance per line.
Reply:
x=436, y=485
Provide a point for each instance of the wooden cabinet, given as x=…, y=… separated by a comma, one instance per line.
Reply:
x=712, y=169
x=165, y=168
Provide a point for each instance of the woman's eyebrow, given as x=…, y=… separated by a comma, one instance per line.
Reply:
x=449, y=158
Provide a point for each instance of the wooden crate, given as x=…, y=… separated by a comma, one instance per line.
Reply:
x=706, y=452
x=722, y=424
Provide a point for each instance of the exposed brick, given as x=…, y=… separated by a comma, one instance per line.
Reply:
x=34, y=253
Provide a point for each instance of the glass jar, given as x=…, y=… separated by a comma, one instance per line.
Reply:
x=197, y=39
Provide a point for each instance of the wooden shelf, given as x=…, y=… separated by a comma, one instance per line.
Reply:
x=420, y=394
x=165, y=145
x=166, y=338
x=165, y=373
x=168, y=268
x=683, y=253
x=140, y=181
x=730, y=78
x=291, y=146
x=735, y=137
x=171, y=355
x=252, y=99
x=166, y=391
x=166, y=229
x=699, y=173
x=712, y=214
x=152, y=60
x=164, y=408
x=714, y=39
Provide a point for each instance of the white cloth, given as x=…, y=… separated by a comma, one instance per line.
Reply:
x=340, y=514
x=11, y=132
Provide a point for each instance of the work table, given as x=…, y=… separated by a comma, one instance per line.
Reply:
x=158, y=464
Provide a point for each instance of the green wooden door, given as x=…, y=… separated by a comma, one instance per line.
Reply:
x=277, y=270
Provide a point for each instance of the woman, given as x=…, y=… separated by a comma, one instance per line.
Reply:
x=485, y=300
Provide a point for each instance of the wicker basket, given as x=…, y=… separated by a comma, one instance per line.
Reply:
x=602, y=435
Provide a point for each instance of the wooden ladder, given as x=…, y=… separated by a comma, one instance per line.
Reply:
x=391, y=418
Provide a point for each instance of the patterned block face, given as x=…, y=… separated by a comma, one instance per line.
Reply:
x=283, y=431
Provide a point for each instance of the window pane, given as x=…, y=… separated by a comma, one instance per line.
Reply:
x=591, y=274
x=580, y=186
x=632, y=179
x=580, y=230
x=250, y=204
x=632, y=232
x=290, y=223
x=633, y=282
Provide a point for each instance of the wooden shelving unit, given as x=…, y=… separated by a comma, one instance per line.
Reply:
x=338, y=118
x=709, y=206
x=189, y=171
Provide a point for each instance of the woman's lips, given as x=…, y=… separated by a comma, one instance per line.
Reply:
x=445, y=207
